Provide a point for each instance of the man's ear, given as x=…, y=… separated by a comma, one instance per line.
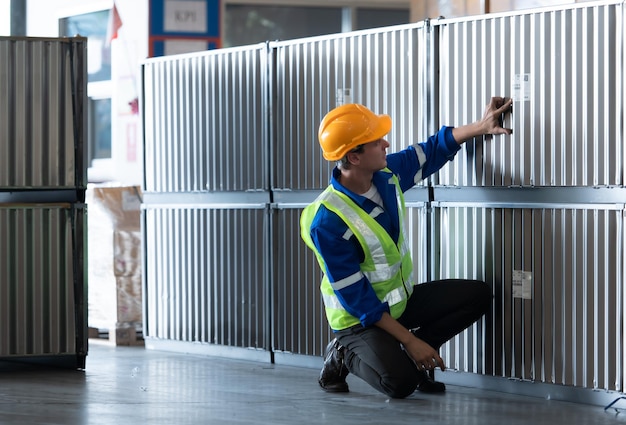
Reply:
x=353, y=158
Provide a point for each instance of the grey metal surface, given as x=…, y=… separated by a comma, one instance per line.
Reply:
x=382, y=69
x=43, y=113
x=564, y=327
x=546, y=203
x=298, y=322
x=42, y=283
x=203, y=117
x=205, y=269
x=567, y=65
x=574, y=196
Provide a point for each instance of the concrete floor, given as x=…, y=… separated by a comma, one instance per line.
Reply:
x=132, y=385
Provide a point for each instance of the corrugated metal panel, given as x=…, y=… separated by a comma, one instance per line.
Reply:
x=564, y=327
x=43, y=117
x=299, y=321
x=566, y=117
x=382, y=69
x=204, y=126
x=42, y=312
x=206, y=274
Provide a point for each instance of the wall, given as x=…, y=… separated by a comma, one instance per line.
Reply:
x=5, y=17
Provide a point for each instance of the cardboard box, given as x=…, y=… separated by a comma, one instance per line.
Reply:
x=125, y=335
x=127, y=253
x=123, y=204
x=101, y=294
x=129, y=305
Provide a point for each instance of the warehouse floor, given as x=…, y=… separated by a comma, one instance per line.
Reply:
x=132, y=385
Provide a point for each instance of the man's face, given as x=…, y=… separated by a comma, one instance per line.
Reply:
x=374, y=155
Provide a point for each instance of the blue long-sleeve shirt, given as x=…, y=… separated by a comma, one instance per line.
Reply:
x=341, y=250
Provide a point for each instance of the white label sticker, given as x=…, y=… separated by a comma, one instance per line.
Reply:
x=343, y=96
x=185, y=16
x=522, y=284
x=520, y=88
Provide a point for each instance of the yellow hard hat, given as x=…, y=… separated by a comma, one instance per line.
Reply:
x=348, y=126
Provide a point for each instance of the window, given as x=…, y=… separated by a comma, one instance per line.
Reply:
x=93, y=25
x=100, y=128
x=375, y=18
x=250, y=24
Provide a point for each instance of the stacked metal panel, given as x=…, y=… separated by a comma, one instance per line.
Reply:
x=38, y=105
x=205, y=199
x=232, y=158
x=539, y=214
x=557, y=274
x=204, y=123
x=384, y=69
x=563, y=67
x=43, y=179
x=40, y=263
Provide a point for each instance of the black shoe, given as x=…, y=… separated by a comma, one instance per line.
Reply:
x=428, y=385
x=333, y=374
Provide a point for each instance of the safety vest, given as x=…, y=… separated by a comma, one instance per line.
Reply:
x=387, y=266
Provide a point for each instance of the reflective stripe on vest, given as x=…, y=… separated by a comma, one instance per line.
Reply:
x=392, y=298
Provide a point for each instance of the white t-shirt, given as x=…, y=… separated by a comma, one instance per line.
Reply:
x=373, y=195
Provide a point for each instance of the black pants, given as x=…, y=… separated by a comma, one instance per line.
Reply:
x=437, y=310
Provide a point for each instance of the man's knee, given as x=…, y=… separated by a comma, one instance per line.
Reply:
x=484, y=296
x=400, y=387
